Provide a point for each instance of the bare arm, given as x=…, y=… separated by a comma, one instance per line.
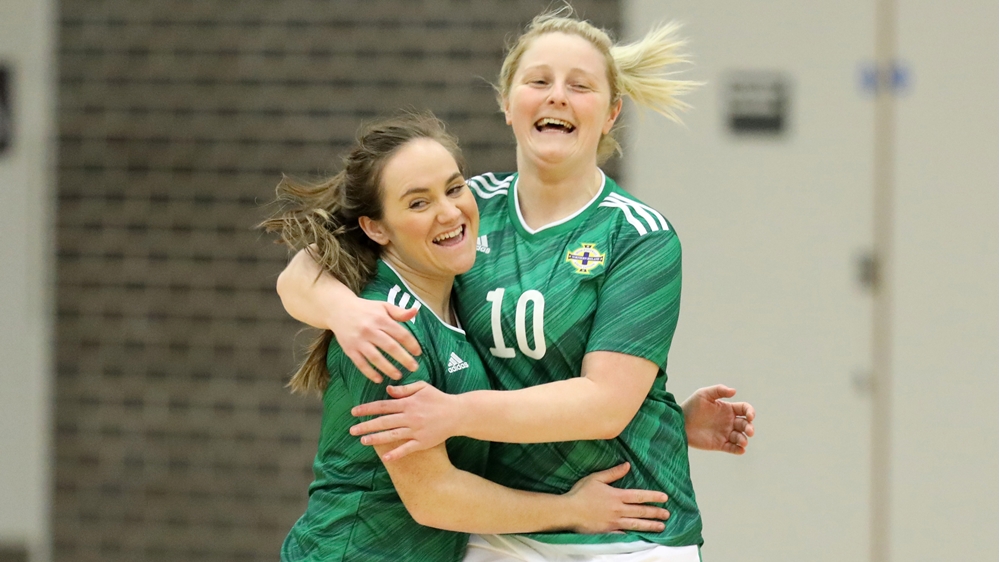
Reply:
x=596, y=405
x=362, y=327
x=439, y=495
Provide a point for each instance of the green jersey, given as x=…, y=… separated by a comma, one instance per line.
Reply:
x=354, y=512
x=607, y=278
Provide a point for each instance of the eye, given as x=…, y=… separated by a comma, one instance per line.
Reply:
x=417, y=204
x=456, y=190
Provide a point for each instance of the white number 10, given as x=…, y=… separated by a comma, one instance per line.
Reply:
x=500, y=348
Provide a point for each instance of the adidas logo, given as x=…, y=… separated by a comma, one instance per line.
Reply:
x=482, y=245
x=455, y=363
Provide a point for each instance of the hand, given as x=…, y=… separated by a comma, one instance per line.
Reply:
x=605, y=509
x=714, y=425
x=365, y=329
x=420, y=415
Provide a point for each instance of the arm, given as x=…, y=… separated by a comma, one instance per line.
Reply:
x=362, y=327
x=637, y=310
x=439, y=495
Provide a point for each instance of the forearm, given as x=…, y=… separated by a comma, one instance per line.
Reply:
x=569, y=410
x=466, y=503
x=599, y=404
x=300, y=286
x=439, y=495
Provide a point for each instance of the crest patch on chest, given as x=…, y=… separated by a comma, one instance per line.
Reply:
x=585, y=258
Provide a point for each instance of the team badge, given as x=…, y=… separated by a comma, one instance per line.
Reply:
x=585, y=258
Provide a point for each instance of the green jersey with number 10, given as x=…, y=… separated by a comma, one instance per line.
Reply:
x=607, y=278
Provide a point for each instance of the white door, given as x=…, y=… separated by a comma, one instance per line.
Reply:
x=772, y=227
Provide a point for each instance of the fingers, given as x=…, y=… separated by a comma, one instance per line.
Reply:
x=610, y=475
x=743, y=409
x=383, y=423
x=732, y=449
x=645, y=512
x=744, y=426
x=738, y=438
x=718, y=391
x=401, y=314
x=389, y=346
x=364, y=367
x=377, y=360
x=640, y=525
x=642, y=496
x=386, y=437
x=411, y=446
x=399, y=332
x=402, y=391
x=377, y=408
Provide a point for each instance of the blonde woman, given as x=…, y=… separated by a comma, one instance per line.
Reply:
x=572, y=305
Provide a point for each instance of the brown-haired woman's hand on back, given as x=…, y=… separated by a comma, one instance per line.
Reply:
x=602, y=508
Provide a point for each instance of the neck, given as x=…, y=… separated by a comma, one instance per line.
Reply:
x=548, y=194
x=435, y=292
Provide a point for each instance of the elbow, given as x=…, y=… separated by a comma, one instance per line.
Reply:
x=419, y=514
x=611, y=426
x=422, y=511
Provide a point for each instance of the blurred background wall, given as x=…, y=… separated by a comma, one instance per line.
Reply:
x=772, y=186
x=142, y=414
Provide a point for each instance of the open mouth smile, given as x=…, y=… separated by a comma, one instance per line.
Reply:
x=451, y=238
x=551, y=124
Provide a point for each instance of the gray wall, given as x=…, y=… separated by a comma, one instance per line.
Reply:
x=772, y=228
x=27, y=39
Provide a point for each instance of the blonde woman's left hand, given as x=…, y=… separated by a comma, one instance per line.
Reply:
x=419, y=415
x=716, y=425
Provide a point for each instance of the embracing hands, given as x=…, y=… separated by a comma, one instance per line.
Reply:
x=602, y=508
x=366, y=329
x=419, y=415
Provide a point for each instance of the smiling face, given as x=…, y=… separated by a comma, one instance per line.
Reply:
x=430, y=220
x=559, y=103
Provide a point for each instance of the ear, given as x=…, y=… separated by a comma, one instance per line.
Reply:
x=616, y=109
x=505, y=104
x=374, y=230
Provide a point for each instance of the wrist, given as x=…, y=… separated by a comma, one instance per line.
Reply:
x=572, y=513
x=461, y=420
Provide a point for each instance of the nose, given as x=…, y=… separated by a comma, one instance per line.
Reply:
x=557, y=94
x=450, y=213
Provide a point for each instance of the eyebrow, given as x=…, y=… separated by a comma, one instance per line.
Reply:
x=413, y=190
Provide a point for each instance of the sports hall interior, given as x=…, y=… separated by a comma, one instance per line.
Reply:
x=834, y=185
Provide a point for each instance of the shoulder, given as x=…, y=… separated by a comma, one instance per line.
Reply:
x=490, y=185
x=633, y=217
x=385, y=289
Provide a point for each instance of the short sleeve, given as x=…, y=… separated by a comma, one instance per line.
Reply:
x=639, y=301
x=359, y=387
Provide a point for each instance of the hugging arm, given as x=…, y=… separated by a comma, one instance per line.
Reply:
x=439, y=495
x=362, y=327
x=367, y=329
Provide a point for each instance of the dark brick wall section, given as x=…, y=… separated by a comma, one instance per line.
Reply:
x=175, y=439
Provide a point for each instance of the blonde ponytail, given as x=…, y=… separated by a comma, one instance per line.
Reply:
x=641, y=76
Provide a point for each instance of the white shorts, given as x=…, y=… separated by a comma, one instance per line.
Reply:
x=510, y=548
